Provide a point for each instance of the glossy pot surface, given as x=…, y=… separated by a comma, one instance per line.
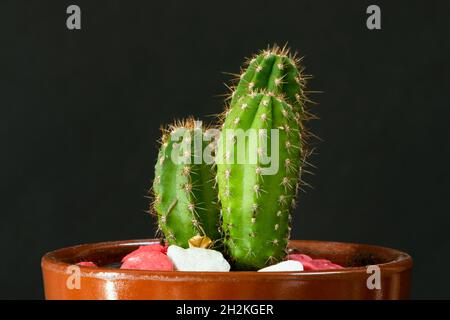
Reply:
x=63, y=280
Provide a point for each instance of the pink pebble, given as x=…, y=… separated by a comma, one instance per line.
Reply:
x=147, y=260
x=152, y=247
x=86, y=264
x=310, y=264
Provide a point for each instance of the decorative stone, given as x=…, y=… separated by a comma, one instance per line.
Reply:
x=289, y=265
x=197, y=259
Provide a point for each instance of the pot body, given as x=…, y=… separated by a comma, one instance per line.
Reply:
x=388, y=276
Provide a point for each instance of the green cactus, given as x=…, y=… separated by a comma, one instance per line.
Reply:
x=185, y=198
x=267, y=114
x=256, y=207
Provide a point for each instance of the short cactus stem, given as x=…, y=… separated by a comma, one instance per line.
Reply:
x=185, y=198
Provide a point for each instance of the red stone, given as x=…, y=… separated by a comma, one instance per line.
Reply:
x=86, y=264
x=310, y=264
x=152, y=247
x=145, y=259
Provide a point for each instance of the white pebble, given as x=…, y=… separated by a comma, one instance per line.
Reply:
x=289, y=265
x=197, y=259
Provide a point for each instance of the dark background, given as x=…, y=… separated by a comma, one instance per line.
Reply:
x=81, y=110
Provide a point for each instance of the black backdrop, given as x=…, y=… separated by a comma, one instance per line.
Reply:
x=80, y=112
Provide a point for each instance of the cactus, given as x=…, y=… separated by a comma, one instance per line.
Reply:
x=185, y=199
x=255, y=205
x=256, y=208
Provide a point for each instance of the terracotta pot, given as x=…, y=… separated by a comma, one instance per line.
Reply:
x=111, y=283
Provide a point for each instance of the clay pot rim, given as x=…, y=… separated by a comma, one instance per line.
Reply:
x=51, y=260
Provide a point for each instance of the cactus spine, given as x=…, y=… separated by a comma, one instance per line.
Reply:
x=256, y=208
x=185, y=199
